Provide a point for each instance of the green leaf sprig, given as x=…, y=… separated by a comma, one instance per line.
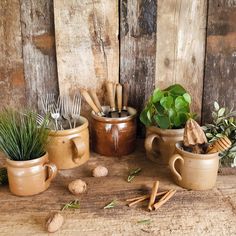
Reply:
x=146, y=221
x=75, y=204
x=133, y=174
x=168, y=108
x=110, y=205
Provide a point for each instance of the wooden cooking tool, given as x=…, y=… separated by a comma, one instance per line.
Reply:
x=89, y=100
x=125, y=97
x=94, y=96
x=110, y=90
x=219, y=145
x=119, y=97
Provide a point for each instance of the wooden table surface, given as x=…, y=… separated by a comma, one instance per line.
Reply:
x=187, y=213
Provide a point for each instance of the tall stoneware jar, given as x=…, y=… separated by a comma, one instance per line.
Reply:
x=30, y=177
x=69, y=148
x=160, y=143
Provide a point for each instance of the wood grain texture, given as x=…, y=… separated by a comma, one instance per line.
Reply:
x=181, y=46
x=87, y=44
x=12, y=82
x=220, y=72
x=38, y=49
x=187, y=213
x=138, y=48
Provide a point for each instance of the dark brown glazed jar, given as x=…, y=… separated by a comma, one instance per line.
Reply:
x=114, y=136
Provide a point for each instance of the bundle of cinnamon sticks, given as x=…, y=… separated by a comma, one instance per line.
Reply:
x=153, y=205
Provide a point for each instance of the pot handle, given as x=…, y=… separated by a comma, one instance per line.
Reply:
x=80, y=147
x=149, y=147
x=52, y=172
x=115, y=136
x=172, y=161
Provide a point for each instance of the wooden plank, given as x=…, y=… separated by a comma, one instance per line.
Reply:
x=87, y=44
x=138, y=48
x=180, y=46
x=38, y=49
x=190, y=212
x=12, y=80
x=220, y=72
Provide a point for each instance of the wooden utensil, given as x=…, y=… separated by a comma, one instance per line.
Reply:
x=89, y=100
x=110, y=90
x=219, y=145
x=119, y=97
x=125, y=97
x=94, y=96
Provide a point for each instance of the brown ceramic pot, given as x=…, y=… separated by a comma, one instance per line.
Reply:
x=160, y=143
x=31, y=177
x=69, y=148
x=114, y=136
x=194, y=171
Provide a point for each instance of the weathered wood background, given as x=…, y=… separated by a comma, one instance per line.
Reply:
x=150, y=43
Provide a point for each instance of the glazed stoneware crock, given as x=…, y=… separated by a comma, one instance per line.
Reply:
x=194, y=171
x=114, y=136
x=69, y=148
x=160, y=143
x=31, y=177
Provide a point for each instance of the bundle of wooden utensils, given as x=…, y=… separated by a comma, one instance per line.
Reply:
x=153, y=204
x=118, y=99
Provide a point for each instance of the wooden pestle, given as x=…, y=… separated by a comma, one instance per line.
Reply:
x=119, y=97
x=219, y=145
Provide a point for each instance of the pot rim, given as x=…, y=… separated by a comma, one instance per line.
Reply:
x=115, y=120
x=27, y=162
x=77, y=129
x=166, y=132
x=178, y=146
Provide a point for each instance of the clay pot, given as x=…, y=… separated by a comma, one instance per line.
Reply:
x=114, y=136
x=194, y=171
x=160, y=143
x=69, y=148
x=31, y=177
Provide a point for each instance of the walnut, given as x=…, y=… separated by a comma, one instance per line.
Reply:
x=77, y=187
x=54, y=222
x=100, y=171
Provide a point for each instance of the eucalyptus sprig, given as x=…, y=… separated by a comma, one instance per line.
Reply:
x=110, y=205
x=75, y=204
x=133, y=174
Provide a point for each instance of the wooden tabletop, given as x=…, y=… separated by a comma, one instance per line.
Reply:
x=187, y=213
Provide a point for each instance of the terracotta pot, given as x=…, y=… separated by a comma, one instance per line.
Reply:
x=114, y=136
x=160, y=143
x=194, y=171
x=31, y=177
x=69, y=148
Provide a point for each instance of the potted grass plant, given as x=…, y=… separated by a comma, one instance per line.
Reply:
x=164, y=116
x=23, y=142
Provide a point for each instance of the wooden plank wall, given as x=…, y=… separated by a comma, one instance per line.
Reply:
x=161, y=42
x=220, y=72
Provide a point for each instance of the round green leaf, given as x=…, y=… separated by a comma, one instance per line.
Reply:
x=187, y=98
x=176, y=89
x=162, y=121
x=167, y=102
x=181, y=104
x=157, y=95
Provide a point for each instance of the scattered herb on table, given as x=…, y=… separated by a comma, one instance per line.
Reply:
x=133, y=174
x=110, y=205
x=3, y=176
x=147, y=221
x=71, y=205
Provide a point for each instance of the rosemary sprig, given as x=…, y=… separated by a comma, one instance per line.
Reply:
x=147, y=221
x=72, y=204
x=110, y=205
x=133, y=174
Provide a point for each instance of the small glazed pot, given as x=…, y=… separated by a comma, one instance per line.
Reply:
x=194, y=171
x=160, y=143
x=31, y=177
x=69, y=148
x=114, y=136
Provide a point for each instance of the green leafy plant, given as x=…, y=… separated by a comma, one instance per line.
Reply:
x=71, y=205
x=223, y=123
x=168, y=108
x=20, y=136
x=133, y=174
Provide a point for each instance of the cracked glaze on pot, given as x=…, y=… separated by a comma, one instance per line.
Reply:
x=114, y=136
x=194, y=171
x=69, y=148
x=160, y=143
x=31, y=177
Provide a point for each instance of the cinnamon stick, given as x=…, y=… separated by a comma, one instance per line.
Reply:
x=153, y=195
x=142, y=198
x=164, y=199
